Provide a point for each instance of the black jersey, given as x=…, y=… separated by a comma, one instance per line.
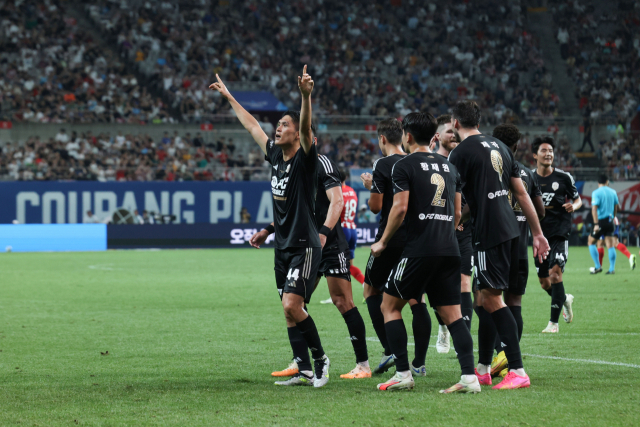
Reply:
x=486, y=167
x=293, y=186
x=466, y=226
x=533, y=190
x=383, y=184
x=432, y=183
x=328, y=178
x=557, y=188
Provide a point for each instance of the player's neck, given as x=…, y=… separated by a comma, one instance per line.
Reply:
x=466, y=133
x=288, y=151
x=394, y=149
x=420, y=149
x=544, y=170
x=443, y=152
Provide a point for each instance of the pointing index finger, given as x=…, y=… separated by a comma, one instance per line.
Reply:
x=304, y=71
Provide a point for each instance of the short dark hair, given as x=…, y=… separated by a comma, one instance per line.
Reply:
x=343, y=175
x=443, y=119
x=603, y=178
x=542, y=140
x=507, y=133
x=295, y=116
x=421, y=125
x=391, y=129
x=467, y=113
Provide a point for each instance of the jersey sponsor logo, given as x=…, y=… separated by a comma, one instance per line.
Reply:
x=498, y=193
x=438, y=217
x=555, y=186
x=547, y=198
x=278, y=187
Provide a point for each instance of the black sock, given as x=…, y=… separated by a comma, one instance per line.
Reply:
x=377, y=319
x=310, y=334
x=397, y=336
x=516, y=310
x=486, y=336
x=463, y=344
x=300, y=349
x=549, y=292
x=558, y=297
x=466, y=307
x=508, y=331
x=498, y=344
x=357, y=334
x=421, y=332
x=438, y=318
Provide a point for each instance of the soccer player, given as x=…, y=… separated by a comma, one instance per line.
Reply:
x=616, y=244
x=427, y=193
x=294, y=159
x=604, y=207
x=379, y=268
x=561, y=199
x=488, y=172
x=447, y=138
x=510, y=135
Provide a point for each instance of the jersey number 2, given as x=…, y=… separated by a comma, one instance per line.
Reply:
x=438, y=180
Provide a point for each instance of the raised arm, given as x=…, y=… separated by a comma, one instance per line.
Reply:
x=305, y=84
x=540, y=244
x=248, y=121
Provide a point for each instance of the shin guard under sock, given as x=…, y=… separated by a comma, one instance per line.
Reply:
x=612, y=259
x=466, y=307
x=357, y=274
x=357, y=334
x=516, y=310
x=508, y=331
x=421, y=332
x=486, y=336
x=623, y=249
x=600, y=254
x=310, y=333
x=463, y=344
x=558, y=298
x=397, y=336
x=300, y=349
x=377, y=319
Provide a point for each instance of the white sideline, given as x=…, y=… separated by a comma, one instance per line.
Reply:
x=564, y=359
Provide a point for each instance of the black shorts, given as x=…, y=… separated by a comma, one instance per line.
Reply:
x=497, y=267
x=437, y=276
x=558, y=255
x=466, y=253
x=335, y=264
x=607, y=229
x=296, y=270
x=378, y=269
x=523, y=277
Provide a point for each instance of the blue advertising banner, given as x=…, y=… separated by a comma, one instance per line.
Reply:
x=191, y=202
x=259, y=101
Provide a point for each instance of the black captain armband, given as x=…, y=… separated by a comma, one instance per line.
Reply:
x=324, y=230
x=270, y=229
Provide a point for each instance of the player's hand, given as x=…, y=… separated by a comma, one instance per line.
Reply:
x=596, y=228
x=305, y=83
x=568, y=207
x=460, y=227
x=377, y=249
x=220, y=87
x=540, y=248
x=258, y=238
x=367, y=180
x=432, y=143
x=323, y=240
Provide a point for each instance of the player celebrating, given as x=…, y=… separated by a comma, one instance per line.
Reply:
x=510, y=135
x=604, y=207
x=297, y=244
x=616, y=244
x=427, y=194
x=561, y=198
x=488, y=172
x=378, y=269
x=447, y=138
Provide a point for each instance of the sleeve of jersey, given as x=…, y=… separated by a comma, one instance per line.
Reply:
x=270, y=151
x=572, y=188
x=377, y=183
x=515, y=169
x=400, y=177
x=457, y=160
x=595, y=199
x=458, y=183
x=328, y=174
x=535, y=187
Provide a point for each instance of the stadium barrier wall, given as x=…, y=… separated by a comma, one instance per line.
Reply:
x=53, y=238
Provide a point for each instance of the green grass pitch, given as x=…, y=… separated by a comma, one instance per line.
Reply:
x=192, y=337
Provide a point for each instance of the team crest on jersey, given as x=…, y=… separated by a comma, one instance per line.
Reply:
x=555, y=186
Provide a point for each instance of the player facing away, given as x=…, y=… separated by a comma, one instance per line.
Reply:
x=510, y=135
x=604, y=207
x=294, y=160
x=561, y=199
x=427, y=195
x=616, y=244
x=488, y=172
x=447, y=139
x=379, y=268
